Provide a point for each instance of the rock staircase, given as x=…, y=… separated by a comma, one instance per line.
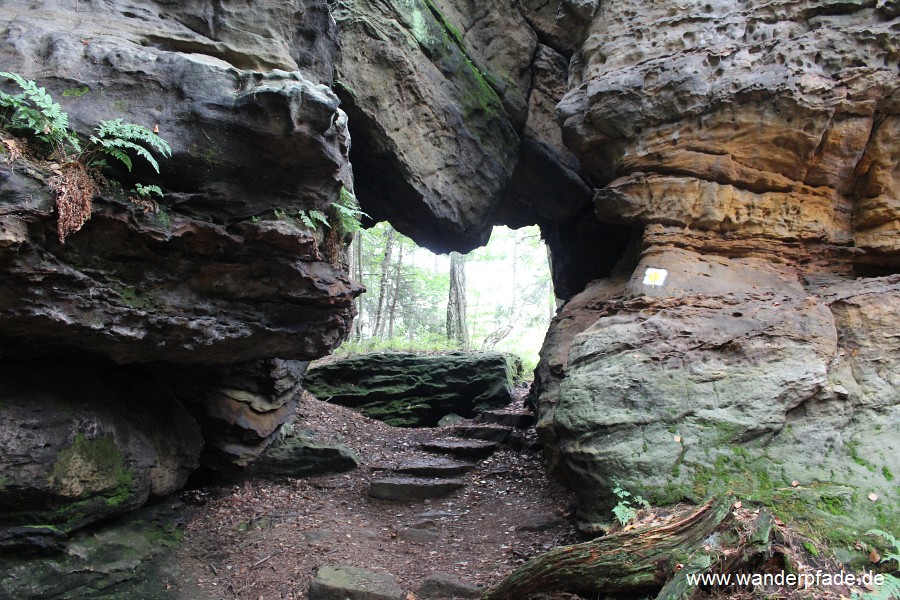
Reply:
x=440, y=472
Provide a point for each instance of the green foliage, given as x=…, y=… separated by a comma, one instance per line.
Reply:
x=626, y=510
x=76, y=92
x=312, y=218
x=33, y=112
x=114, y=138
x=508, y=284
x=347, y=213
x=146, y=192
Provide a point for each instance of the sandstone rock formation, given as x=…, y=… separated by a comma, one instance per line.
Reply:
x=417, y=390
x=748, y=142
x=81, y=442
x=212, y=279
x=747, y=148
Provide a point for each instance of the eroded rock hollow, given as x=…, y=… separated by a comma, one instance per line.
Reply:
x=745, y=153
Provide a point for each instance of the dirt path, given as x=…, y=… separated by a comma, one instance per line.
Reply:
x=266, y=539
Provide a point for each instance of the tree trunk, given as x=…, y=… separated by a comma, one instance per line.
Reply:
x=646, y=558
x=384, y=285
x=456, y=302
x=356, y=271
x=392, y=312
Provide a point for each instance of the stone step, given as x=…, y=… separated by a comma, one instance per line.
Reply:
x=434, y=467
x=490, y=433
x=339, y=582
x=520, y=419
x=403, y=488
x=475, y=449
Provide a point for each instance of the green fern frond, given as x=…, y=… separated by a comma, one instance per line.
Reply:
x=115, y=147
x=890, y=539
x=320, y=217
x=304, y=218
x=119, y=129
x=889, y=590
x=147, y=191
x=35, y=111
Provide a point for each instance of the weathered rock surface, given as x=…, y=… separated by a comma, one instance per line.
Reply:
x=406, y=389
x=474, y=449
x=82, y=442
x=436, y=177
x=407, y=488
x=130, y=557
x=195, y=299
x=301, y=456
x=241, y=408
x=443, y=585
x=747, y=145
x=343, y=583
x=252, y=130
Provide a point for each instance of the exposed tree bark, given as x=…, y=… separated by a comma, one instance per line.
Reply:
x=644, y=559
x=456, y=302
x=384, y=285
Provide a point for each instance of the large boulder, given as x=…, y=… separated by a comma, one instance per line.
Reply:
x=417, y=390
x=163, y=323
x=212, y=276
x=80, y=442
x=734, y=348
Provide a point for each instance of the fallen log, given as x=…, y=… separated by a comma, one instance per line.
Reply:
x=648, y=559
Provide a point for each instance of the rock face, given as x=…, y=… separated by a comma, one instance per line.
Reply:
x=748, y=145
x=414, y=390
x=185, y=327
x=82, y=442
x=252, y=130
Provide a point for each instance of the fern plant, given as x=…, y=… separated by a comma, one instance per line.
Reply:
x=34, y=113
x=347, y=212
x=146, y=192
x=313, y=218
x=890, y=589
x=116, y=137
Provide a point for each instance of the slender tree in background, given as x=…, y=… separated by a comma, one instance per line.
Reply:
x=385, y=283
x=456, y=302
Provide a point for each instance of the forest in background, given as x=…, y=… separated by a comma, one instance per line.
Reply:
x=498, y=297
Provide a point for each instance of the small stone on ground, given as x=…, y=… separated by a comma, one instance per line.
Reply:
x=351, y=583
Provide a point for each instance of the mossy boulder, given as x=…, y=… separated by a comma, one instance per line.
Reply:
x=80, y=443
x=129, y=557
x=417, y=390
x=776, y=388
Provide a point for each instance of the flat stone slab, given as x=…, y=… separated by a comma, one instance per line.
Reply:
x=352, y=583
x=518, y=419
x=461, y=448
x=491, y=433
x=434, y=467
x=412, y=488
x=442, y=585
